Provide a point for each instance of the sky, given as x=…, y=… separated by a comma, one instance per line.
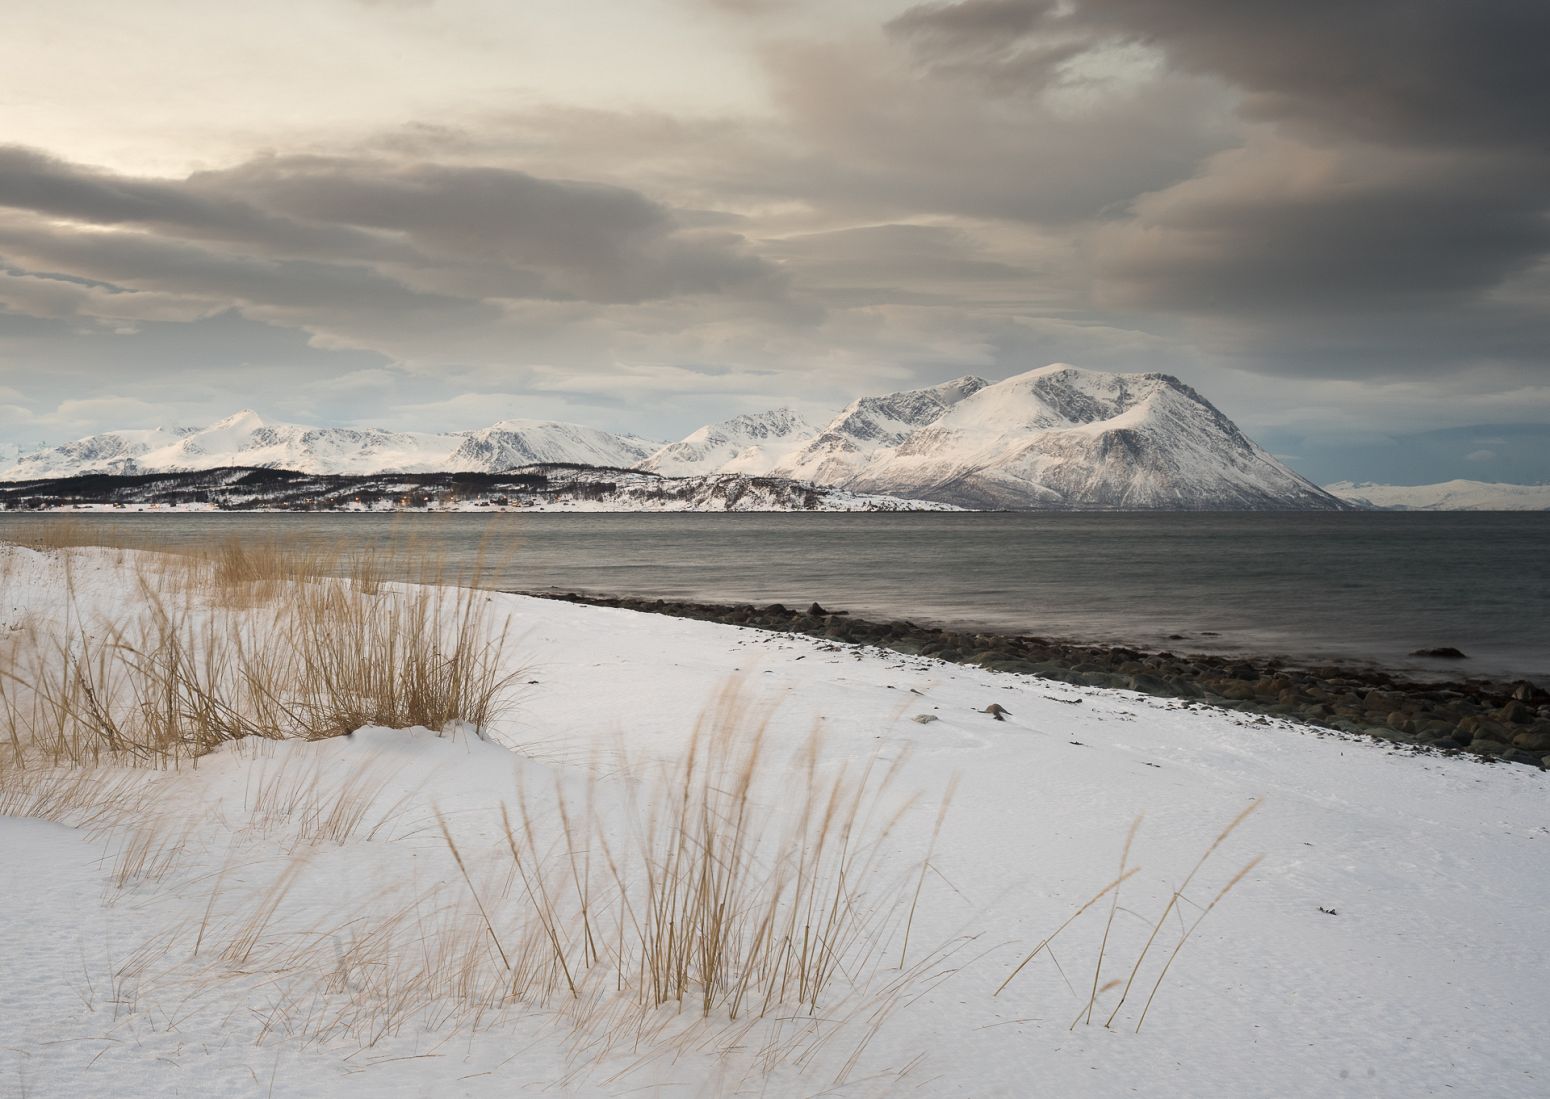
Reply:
x=1332, y=217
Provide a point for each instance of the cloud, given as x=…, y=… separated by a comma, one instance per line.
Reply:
x=1451, y=75
x=1321, y=213
x=1284, y=227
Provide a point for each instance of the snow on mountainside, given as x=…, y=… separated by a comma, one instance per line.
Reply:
x=1057, y=437
x=869, y=424
x=1060, y=437
x=246, y=440
x=1447, y=496
x=109, y=452
x=524, y=442
x=751, y=444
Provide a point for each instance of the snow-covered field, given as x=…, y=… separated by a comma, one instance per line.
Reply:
x=287, y=918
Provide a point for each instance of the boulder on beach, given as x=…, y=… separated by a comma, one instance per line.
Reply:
x=1442, y=652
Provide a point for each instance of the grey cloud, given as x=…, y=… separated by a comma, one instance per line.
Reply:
x=1284, y=229
x=902, y=264
x=1395, y=182
x=1009, y=45
x=310, y=224
x=141, y=261
x=974, y=24
x=1455, y=73
x=586, y=240
x=875, y=135
x=32, y=180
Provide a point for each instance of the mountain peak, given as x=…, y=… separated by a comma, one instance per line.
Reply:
x=244, y=418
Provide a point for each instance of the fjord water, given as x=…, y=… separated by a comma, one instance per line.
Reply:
x=1368, y=587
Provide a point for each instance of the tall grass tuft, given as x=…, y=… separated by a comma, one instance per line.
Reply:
x=186, y=664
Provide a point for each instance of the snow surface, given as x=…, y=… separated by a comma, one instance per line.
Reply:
x=1456, y=495
x=1427, y=979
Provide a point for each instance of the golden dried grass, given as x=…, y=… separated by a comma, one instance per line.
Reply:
x=187, y=664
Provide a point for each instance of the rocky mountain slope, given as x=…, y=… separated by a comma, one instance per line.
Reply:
x=1447, y=496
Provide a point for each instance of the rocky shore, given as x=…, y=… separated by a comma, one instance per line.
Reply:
x=1485, y=718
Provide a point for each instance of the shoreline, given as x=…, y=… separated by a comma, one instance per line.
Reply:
x=1486, y=718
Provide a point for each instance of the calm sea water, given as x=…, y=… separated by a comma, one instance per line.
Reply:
x=1366, y=587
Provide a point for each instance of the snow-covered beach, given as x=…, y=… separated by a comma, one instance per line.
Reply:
x=224, y=926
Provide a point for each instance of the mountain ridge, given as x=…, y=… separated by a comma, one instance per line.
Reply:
x=1455, y=495
x=1055, y=437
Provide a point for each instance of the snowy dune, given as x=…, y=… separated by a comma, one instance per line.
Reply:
x=1425, y=977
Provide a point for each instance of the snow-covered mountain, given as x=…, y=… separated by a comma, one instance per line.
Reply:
x=524, y=442
x=1057, y=437
x=1446, y=496
x=753, y=444
x=245, y=439
x=1060, y=437
x=108, y=452
x=843, y=448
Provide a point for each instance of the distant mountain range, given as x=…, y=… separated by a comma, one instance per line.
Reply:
x=1058, y=438
x=1447, y=496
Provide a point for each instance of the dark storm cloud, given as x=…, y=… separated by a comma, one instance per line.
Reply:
x=1287, y=228
x=1453, y=72
x=1400, y=176
x=590, y=241
x=1466, y=73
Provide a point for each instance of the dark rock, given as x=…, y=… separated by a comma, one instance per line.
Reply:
x=1490, y=730
x=1532, y=741
x=1444, y=652
x=1518, y=755
x=1516, y=713
x=1016, y=667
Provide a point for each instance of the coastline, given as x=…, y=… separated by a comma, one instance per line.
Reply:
x=1485, y=718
